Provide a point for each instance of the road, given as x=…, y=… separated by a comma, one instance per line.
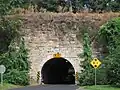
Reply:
x=50, y=87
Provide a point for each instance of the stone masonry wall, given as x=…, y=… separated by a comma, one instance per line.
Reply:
x=48, y=33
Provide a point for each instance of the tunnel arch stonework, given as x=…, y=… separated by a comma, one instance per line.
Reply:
x=47, y=33
x=39, y=56
x=41, y=50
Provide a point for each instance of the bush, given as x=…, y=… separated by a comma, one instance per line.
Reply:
x=13, y=53
x=86, y=77
x=109, y=72
x=17, y=77
x=17, y=65
x=110, y=33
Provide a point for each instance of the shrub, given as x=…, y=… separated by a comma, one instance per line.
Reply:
x=17, y=77
x=16, y=64
x=110, y=33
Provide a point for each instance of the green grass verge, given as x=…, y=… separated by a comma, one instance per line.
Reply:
x=8, y=86
x=101, y=87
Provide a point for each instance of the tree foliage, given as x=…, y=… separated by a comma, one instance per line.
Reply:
x=86, y=77
x=114, y=5
x=80, y=5
x=9, y=30
x=15, y=60
x=13, y=53
x=110, y=32
x=109, y=72
x=98, y=5
x=53, y=5
x=7, y=5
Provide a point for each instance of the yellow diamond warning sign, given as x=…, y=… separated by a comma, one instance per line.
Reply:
x=95, y=63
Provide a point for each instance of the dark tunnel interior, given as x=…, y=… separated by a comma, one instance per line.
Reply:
x=58, y=71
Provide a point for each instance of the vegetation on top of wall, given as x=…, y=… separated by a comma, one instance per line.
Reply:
x=78, y=5
x=61, y=5
x=6, y=6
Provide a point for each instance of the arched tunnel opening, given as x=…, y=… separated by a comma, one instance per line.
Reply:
x=58, y=71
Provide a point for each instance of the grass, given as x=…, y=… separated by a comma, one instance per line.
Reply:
x=8, y=86
x=101, y=87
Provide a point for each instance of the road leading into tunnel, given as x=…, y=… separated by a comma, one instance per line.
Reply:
x=50, y=87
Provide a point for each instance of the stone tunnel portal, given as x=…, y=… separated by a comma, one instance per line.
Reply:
x=58, y=71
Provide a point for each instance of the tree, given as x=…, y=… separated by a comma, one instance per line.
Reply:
x=52, y=5
x=13, y=53
x=8, y=32
x=17, y=64
x=98, y=5
x=77, y=5
x=7, y=5
x=110, y=32
x=86, y=77
x=114, y=5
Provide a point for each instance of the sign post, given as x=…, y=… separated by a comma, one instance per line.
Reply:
x=95, y=76
x=95, y=63
x=1, y=79
x=2, y=70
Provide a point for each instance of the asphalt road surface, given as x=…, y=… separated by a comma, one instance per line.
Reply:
x=50, y=87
